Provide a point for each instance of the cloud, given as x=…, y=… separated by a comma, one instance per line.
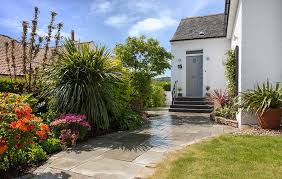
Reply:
x=151, y=25
x=11, y=23
x=200, y=4
x=117, y=21
x=101, y=6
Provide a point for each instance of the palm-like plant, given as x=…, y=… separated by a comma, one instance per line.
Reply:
x=261, y=98
x=219, y=97
x=81, y=80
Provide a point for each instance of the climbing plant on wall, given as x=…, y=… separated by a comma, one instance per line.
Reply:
x=230, y=73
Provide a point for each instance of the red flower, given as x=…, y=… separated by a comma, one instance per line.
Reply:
x=30, y=127
x=13, y=125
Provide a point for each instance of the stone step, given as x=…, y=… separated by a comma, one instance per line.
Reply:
x=190, y=99
x=193, y=102
x=190, y=110
x=206, y=106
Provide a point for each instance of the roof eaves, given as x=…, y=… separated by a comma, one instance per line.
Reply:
x=200, y=38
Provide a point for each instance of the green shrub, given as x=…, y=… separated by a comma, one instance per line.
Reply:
x=51, y=145
x=230, y=73
x=31, y=155
x=127, y=120
x=35, y=153
x=226, y=112
x=164, y=84
x=157, y=96
x=6, y=85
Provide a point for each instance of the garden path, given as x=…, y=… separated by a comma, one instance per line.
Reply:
x=131, y=154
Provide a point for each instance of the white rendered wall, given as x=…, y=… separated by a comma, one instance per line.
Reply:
x=259, y=37
x=213, y=62
x=236, y=40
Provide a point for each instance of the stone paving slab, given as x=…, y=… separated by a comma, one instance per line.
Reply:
x=108, y=168
x=131, y=154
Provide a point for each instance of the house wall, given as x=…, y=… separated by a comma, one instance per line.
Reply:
x=213, y=62
x=259, y=36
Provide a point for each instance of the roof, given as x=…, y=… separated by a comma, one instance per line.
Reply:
x=212, y=26
x=18, y=56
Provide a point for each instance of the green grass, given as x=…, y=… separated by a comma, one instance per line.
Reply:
x=226, y=157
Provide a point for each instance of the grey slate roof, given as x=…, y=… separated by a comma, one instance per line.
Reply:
x=212, y=26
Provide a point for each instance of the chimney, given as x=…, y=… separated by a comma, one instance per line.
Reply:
x=72, y=35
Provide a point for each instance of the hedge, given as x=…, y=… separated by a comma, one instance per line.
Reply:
x=7, y=85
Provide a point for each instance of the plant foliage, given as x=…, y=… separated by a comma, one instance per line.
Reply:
x=81, y=81
x=141, y=54
x=219, y=97
x=262, y=97
x=230, y=72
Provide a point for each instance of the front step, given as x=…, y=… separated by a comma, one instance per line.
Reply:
x=192, y=105
x=190, y=110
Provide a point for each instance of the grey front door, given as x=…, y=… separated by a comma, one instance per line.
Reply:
x=194, y=76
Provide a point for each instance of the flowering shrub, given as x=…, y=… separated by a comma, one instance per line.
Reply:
x=70, y=127
x=19, y=128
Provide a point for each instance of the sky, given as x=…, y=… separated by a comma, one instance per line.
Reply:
x=106, y=21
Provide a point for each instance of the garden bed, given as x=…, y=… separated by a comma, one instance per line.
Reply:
x=224, y=121
x=257, y=131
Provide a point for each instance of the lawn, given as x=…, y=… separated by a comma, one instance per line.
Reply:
x=226, y=157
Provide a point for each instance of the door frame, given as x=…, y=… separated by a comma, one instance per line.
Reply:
x=202, y=65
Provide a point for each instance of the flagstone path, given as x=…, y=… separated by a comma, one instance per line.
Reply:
x=132, y=154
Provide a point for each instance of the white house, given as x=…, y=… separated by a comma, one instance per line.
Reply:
x=253, y=28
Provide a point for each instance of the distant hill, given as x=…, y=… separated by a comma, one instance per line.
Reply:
x=167, y=79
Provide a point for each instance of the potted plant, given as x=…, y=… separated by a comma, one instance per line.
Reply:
x=179, y=92
x=265, y=100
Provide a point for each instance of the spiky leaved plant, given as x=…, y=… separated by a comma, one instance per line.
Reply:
x=220, y=98
x=8, y=59
x=81, y=81
x=24, y=55
x=262, y=97
x=48, y=38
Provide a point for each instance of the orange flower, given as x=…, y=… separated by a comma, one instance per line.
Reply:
x=26, y=109
x=3, y=148
x=44, y=127
x=25, y=119
x=23, y=128
x=41, y=134
x=37, y=119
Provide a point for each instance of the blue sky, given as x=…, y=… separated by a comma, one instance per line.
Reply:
x=107, y=21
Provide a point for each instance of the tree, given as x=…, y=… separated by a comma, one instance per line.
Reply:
x=145, y=59
x=143, y=55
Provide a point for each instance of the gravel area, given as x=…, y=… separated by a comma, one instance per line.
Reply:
x=259, y=132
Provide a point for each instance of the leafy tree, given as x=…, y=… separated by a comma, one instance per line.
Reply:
x=145, y=59
x=143, y=55
x=81, y=80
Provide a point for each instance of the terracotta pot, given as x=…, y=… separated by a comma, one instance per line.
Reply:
x=270, y=119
